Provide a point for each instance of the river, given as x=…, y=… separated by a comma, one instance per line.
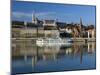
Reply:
x=27, y=57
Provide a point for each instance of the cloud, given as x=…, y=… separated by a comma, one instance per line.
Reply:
x=22, y=14
x=45, y=15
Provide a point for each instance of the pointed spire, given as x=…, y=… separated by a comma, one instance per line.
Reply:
x=33, y=17
x=81, y=21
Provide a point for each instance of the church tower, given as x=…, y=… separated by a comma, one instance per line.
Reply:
x=34, y=19
x=80, y=28
x=81, y=23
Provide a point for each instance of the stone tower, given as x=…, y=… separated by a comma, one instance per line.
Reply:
x=81, y=23
x=81, y=29
x=34, y=19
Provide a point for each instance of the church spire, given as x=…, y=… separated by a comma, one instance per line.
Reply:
x=81, y=21
x=33, y=16
x=81, y=29
x=34, y=20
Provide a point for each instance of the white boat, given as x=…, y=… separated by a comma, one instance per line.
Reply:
x=52, y=42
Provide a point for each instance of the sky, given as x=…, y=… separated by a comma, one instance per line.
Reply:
x=22, y=11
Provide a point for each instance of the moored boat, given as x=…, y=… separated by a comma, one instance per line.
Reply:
x=52, y=41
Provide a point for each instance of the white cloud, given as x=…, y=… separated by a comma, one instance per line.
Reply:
x=44, y=15
x=22, y=14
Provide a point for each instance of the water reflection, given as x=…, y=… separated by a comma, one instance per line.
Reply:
x=28, y=57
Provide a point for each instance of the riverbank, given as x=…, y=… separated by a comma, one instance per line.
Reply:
x=73, y=39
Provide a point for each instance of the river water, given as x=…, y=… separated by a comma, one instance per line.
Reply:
x=27, y=57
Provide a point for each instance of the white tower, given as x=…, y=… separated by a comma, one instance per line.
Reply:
x=34, y=19
x=81, y=23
